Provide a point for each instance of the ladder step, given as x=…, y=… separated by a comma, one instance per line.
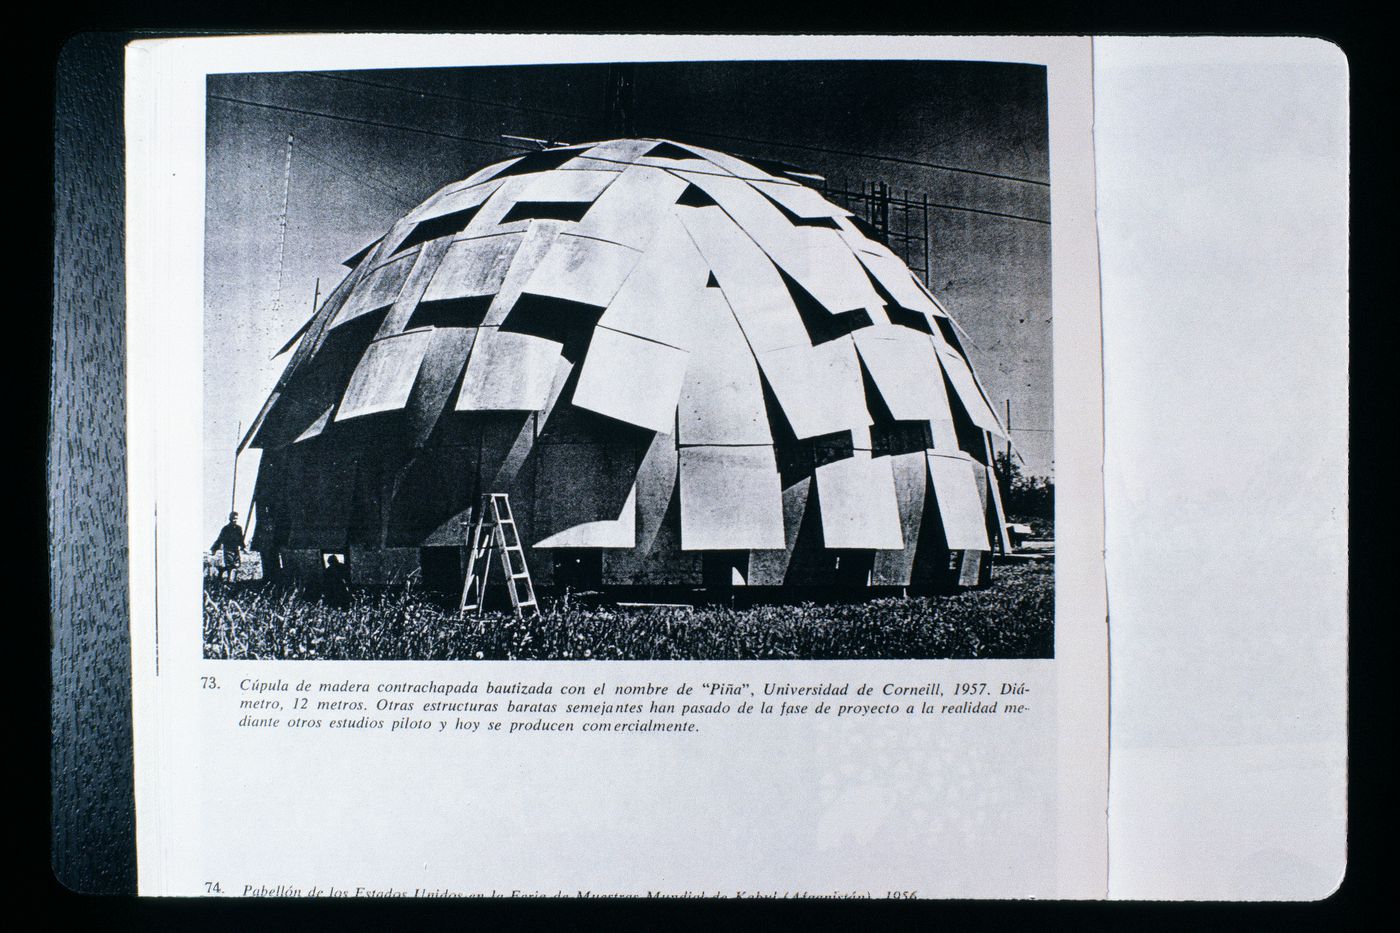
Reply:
x=502, y=536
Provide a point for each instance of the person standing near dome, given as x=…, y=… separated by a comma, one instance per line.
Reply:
x=230, y=541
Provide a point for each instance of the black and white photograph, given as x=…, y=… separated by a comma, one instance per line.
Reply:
x=717, y=360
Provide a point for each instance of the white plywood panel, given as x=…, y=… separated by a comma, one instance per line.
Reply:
x=437, y=376
x=904, y=367
x=656, y=300
x=385, y=375
x=735, y=166
x=825, y=266
x=960, y=375
x=563, y=371
x=998, y=513
x=859, y=508
x=819, y=388
x=615, y=154
x=631, y=379
x=508, y=372
x=537, y=241
x=585, y=496
x=489, y=218
x=816, y=257
x=473, y=268
x=424, y=268
x=801, y=200
x=960, y=507
x=721, y=399
x=555, y=187
x=938, y=309
x=751, y=284
x=378, y=289
x=582, y=269
x=452, y=200
x=317, y=426
x=895, y=568
x=858, y=241
x=630, y=211
x=731, y=499
x=895, y=278
x=657, y=556
x=770, y=567
x=489, y=172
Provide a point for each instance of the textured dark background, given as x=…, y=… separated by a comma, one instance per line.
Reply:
x=93, y=811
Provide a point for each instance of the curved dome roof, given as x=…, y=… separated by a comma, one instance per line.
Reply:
x=665, y=286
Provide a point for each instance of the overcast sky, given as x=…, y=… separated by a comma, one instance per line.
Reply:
x=369, y=145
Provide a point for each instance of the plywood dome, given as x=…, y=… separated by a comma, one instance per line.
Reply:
x=680, y=366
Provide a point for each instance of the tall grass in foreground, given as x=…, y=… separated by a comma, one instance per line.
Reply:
x=1013, y=618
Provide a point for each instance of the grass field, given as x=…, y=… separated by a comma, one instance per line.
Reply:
x=1013, y=618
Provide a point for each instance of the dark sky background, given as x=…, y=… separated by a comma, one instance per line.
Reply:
x=370, y=145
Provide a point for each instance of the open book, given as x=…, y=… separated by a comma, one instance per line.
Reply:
x=746, y=467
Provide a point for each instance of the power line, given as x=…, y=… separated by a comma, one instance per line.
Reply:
x=522, y=108
x=978, y=210
x=365, y=122
x=862, y=155
x=369, y=181
x=747, y=139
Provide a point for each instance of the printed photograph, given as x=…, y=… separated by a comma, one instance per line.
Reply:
x=632, y=361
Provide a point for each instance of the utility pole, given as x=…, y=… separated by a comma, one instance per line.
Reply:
x=233, y=492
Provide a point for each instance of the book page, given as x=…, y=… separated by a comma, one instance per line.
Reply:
x=1223, y=213
x=616, y=466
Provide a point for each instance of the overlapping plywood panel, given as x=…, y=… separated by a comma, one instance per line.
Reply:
x=428, y=496
x=582, y=269
x=731, y=499
x=385, y=374
x=437, y=377
x=816, y=257
x=960, y=506
x=489, y=218
x=800, y=200
x=319, y=507
x=755, y=291
x=657, y=556
x=508, y=372
x=721, y=400
x=473, y=268
x=859, y=507
x=896, y=568
x=582, y=186
x=424, y=267
x=905, y=369
x=378, y=289
x=585, y=496
x=537, y=241
x=819, y=388
x=614, y=154
x=317, y=426
x=631, y=379
x=965, y=384
x=454, y=199
x=894, y=277
x=629, y=211
x=771, y=567
x=735, y=166
x=656, y=300
x=998, y=513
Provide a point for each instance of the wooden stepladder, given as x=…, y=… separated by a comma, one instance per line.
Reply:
x=493, y=530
